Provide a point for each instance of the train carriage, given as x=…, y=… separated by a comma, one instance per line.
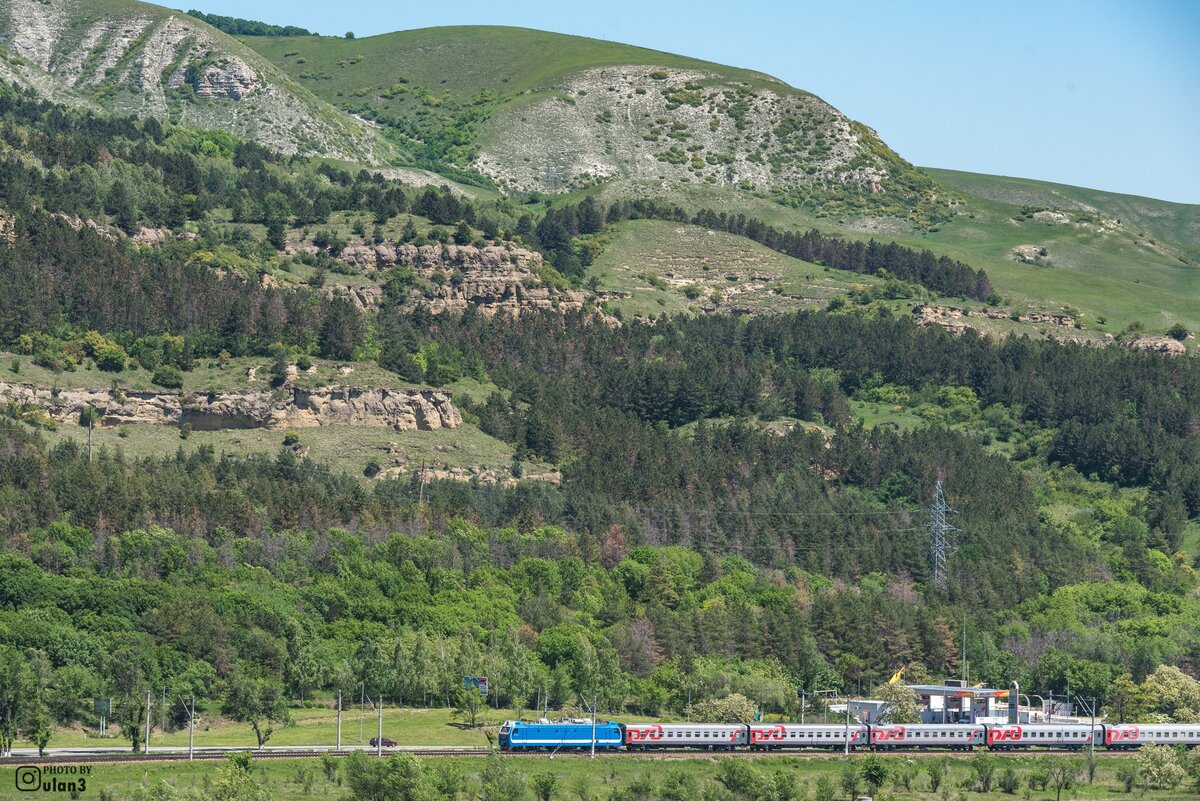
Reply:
x=952, y=736
x=520, y=735
x=1125, y=736
x=708, y=736
x=1071, y=736
x=771, y=737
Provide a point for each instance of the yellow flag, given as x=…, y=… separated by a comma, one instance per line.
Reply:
x=897, y=676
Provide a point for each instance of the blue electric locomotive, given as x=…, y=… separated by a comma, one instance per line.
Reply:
x=520, y=735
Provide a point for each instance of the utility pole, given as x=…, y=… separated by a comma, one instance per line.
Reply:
x=362, y=706
x=339, y=734
x=939, y=530
x=148, y=693
x=1089, y=705
x=847, y=724
x=162, y=716
x=191, y=728
x=379, y=736
x=592, y=710
x=803, y=697
x=964, y=651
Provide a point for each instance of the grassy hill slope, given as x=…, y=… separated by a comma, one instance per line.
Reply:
x=137, y=58
x=1174, y=223
x=537, y=111
x=1109, y=275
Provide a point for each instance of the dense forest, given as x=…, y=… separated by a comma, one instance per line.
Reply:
x=725, y=522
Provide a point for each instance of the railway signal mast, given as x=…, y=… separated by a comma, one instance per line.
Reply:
x=940, y=547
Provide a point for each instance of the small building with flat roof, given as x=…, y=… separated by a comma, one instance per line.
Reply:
x=955, y=702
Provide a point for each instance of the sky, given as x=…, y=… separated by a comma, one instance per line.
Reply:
x=1102, y=94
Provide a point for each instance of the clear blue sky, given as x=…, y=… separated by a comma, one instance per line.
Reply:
x=1103, y=94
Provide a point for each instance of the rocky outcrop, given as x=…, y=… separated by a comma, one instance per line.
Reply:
x=1050, y=318
x=947, y=317
x=231, y=78
x=1167, y=345
x=403, y=410
x=494, y=279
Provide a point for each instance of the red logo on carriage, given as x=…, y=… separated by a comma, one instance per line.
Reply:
x=1011, y=734
x=638, y=735
x=1127, y=734
x=893, y=735
x=763, y=735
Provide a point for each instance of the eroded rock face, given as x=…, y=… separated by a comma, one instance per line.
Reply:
x=1171, y=347
x=492, y=279
x=402, y=410
x=231, y=79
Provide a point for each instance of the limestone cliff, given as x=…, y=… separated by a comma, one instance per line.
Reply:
x=402, y=410
x=493, y=279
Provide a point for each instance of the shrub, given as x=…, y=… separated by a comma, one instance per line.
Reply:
x=1009, y=782
x=373, y=468
x=304, y=364
x=168, y=377
x=291, y=438
x=111, y=358
x=1128, y=774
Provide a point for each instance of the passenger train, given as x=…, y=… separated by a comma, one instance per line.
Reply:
x=520, y=735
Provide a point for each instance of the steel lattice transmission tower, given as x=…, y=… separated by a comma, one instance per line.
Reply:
x=940, y=546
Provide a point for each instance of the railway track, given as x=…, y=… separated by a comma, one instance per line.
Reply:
x=435, y=752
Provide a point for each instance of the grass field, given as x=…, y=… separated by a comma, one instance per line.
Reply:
x=1109, y=279
x=662, y=263
x=577, y=777
x=503, y=60
x=315, y=726
x=1174, y=223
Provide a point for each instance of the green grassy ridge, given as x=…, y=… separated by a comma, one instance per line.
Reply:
x=504, y=60
x=445, y=110
x=1174, y=223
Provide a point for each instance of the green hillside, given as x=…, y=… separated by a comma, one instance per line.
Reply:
x=501, y=59
x=137, y=58
x=1176, y=224
x=537, y=111
x=1113, y=277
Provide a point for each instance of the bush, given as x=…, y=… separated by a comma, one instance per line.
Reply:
x=291, y=438
x=1009, y=782
x=168, y=377
x=373, y=467
x=1128, y=774
x=111, y=358
x=304, y=364
x=1177, y=332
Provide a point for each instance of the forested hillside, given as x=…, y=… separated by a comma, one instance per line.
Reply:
x=696, y=504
